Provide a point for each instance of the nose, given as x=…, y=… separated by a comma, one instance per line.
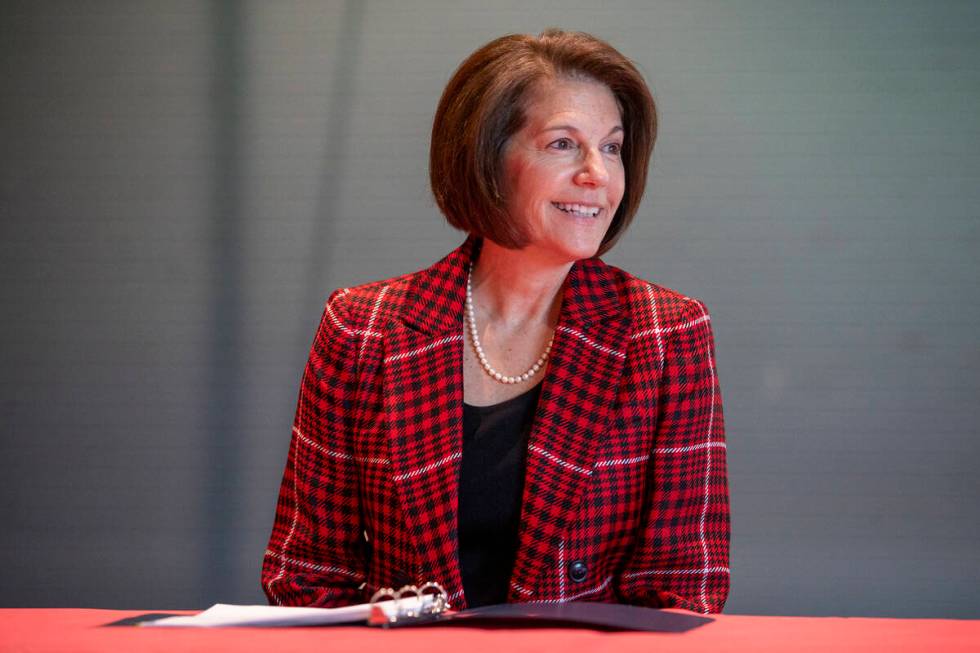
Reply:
x=593, y=172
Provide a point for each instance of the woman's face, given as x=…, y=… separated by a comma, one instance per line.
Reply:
x=563, y=171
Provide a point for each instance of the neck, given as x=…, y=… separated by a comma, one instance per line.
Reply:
x=517, y=287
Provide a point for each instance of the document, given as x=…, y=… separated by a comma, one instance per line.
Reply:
x=222, y=614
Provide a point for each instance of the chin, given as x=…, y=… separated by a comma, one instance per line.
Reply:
x=568, y=243
x=581, y=245
x=578, y=251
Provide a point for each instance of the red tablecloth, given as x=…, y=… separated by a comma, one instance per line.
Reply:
x=79, y=631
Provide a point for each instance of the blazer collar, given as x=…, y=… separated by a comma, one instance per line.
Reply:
x=438, y=294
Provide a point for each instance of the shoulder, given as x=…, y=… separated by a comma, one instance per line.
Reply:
x=652, y=306
x=366, y=306
x=430, y=300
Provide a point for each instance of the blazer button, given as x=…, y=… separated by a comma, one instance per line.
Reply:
x=577, y=571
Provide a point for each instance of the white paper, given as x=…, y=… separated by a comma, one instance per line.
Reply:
x=223, y=614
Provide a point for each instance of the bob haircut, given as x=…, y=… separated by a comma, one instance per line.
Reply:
x=483, y=106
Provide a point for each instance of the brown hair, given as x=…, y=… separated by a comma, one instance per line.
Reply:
x=483, y=106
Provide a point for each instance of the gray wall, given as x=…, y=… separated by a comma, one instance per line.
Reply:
x=182, y=183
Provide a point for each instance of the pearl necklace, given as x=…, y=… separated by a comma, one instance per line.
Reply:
x=494, y=374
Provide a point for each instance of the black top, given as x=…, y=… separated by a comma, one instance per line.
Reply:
x=491, y=484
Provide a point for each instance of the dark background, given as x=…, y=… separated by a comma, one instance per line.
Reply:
x=182, y=184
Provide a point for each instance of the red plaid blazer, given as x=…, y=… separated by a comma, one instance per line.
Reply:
x=625, y=495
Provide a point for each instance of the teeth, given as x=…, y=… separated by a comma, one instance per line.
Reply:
x=577, y=209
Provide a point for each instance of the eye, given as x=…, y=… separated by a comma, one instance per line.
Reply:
x=562, y=144
x=614, y=148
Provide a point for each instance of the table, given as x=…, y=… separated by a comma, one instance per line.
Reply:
x=81, y=631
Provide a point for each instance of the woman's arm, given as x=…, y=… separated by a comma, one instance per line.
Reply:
x=316, y=555
x=681, y=554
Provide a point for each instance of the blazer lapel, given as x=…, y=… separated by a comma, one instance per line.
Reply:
x=570, y=424
x=422, y=379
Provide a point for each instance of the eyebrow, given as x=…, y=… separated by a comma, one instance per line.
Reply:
x=617, y=128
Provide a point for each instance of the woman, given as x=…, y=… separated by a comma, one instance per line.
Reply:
x=521, y=421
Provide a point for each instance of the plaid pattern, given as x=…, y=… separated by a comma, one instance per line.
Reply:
x=625, y=497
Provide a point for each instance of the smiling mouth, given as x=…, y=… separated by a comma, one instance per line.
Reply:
x=580, y=210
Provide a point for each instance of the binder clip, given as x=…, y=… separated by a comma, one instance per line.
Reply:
x=410, y=604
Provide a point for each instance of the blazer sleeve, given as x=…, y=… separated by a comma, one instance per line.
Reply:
x=681, y=554
x=316, y=555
